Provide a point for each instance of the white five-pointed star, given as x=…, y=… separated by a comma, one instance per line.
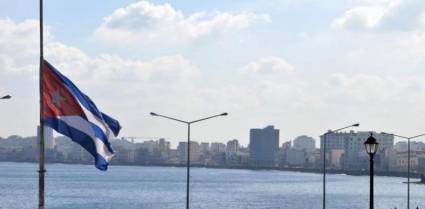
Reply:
x=56, y=97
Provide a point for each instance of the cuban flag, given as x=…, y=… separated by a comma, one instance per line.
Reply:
x=73, y=114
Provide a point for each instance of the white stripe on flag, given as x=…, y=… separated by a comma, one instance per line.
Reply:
x=84, y=126
x=95, y=120
x=92, y=118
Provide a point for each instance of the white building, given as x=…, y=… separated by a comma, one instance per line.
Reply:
x=164, y=148
x=195, y=152
x=354, y=149
x=205, y=147
x=414, y=146
x=400, y=146
x=354, y=155
x=232, y=147
x=295, y=157
x=150, y=145
x=217, y=147
x=305, y=143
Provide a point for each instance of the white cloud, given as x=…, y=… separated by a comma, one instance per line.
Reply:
x=112, y=68
x=19, y=43
x=385, y=14
x=361, y=17
x=20, y=57
x=409, y=51
x=20, y=51
x=143, y=21
x=370, y=90
x=270, y=65
x=158, y=83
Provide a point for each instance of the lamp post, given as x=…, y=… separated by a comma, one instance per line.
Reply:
x=188, y=123
x=408, y=161
x=371, y=147
x=6, y=97
x=324, y=158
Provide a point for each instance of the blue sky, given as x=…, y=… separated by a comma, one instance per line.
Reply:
x=304, y=66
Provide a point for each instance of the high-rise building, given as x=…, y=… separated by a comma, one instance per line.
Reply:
x=334, y=141
x=354, y=150
x=295, y=157
x=232, y=150
x=286, y=145
x=305, y=143
x=217, y=147
x=164, y=148
x=232, y=147
x=354, y=154
x=205, y=148
x=263, y=146
x=401, y=146
x=195, y=152
x=182, y=152
x=414, y=146
x=150, y=145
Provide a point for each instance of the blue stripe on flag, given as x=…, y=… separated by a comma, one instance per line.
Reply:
x=98, y=132
x=113, y=124
x=79, y=137
x=100, y=163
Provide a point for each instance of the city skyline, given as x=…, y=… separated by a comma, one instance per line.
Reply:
x=345, y=152
x=304, y=66
x=175, y=140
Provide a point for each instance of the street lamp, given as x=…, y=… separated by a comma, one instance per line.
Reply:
x=188, y=123
x=6, y=97
x=371, y=147
x=324, y=158
x=408, y=161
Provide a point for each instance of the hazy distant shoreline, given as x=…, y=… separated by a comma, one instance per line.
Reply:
x=303, y=170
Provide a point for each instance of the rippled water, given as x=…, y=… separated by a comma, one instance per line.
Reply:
x=124, y=187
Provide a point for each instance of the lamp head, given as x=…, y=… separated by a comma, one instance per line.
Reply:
x=356, y=125
x=153, y=114
x=224, y=114
x=6, y=97
x=371, y=145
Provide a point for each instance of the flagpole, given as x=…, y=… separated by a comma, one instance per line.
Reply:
x=41, y=170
